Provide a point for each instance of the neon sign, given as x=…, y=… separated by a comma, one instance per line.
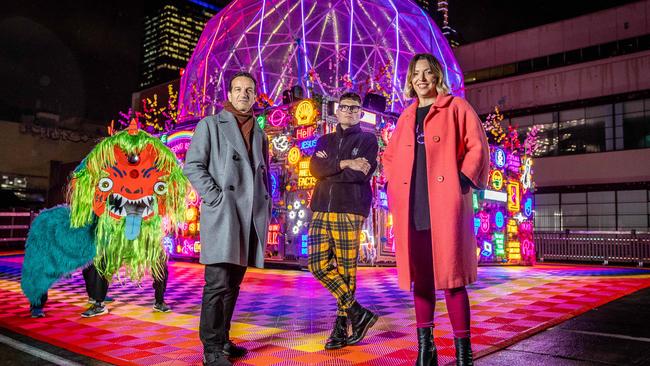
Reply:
x=305, y=132
x=294, y=155
x=383, y=199
x=485, y=222
x=526, y=175
x=261, y=121
x=499, y=220
x=513, y=162
x=499, y=240
x=273, y=236
x=305, y=113
x=495, y=196
x=280, y=143
x=308, y=144
x=496, y=179
x=514, y=198
x=278, y=118
x=487, y=249
x=528, y=206
x=500, y=158
x=304, y=244
x=305, y=179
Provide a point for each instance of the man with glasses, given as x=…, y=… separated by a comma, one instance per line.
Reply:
x=343, y=165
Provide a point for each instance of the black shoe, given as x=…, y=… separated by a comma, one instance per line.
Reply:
x=107, y=299
x=463, y=352
x=37, y=312
x=94, y=310
x=427, y=353
x=162, y=307
x=339, y=336
x=215, y=359
x=232, y=350
x=361, y=319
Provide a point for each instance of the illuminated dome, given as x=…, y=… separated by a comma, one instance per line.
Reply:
x=354, y=45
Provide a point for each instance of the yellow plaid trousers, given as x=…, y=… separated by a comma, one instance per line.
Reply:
x=333, y=244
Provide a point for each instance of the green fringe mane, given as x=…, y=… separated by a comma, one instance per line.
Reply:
x=113, y=250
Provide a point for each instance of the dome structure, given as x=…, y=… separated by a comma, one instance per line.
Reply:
x=326, y=46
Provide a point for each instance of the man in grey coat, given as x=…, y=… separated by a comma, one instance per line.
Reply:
x=227, y=163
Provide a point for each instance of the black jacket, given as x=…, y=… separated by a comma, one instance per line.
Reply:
x=347, y=190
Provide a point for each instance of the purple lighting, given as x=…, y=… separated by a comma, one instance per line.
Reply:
x=330, y=46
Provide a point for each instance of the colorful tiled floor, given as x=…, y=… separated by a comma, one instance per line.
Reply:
x=283, y=317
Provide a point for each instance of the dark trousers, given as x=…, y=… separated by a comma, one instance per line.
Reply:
x=222, y=281
x=97, y=285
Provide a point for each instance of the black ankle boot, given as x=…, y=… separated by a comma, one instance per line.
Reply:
x=463, y=352
x=339, y=336
x=361, y=319
x=427, y=353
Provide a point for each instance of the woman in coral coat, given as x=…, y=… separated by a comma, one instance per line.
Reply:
x=437, y=154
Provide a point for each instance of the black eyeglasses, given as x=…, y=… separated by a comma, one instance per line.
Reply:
x=350, y=108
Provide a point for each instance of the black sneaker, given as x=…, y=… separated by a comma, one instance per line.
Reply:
x=215, y=359
x=232, y=350
x=94, y=310
x=161, y=307
x=37, y=312
x=107, y=299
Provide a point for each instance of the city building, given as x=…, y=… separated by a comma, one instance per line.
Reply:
x=171, y=30
x=584, y=83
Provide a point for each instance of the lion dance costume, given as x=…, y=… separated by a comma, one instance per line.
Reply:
x=122, y=199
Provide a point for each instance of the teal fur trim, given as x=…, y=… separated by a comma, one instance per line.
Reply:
x=54, y=250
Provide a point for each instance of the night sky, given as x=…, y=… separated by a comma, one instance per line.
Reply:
x=81, y=58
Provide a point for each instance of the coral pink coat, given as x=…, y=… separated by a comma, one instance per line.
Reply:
x=454, y=142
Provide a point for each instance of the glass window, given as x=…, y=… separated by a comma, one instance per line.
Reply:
x=542, y=118
x=599, y=110
x=547, y=139
x=632, y=106
x=594, y=135
x=574, y=198
x=522, y=121
x=572, y=114
x=628, y=208
x=574, y=222
x=638, y=195
x=636, y=222
x=574, y=210
x=601, y=197
x=556, y=60
x=572, y=57
x=590, y=53
x=547, y=199
x=636, y=130
x=571, y=136
x=602, y=222
x=601, y=209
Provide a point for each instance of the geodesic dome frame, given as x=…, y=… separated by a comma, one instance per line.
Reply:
x=325, y=46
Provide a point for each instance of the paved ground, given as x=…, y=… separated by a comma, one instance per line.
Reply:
x=617, y=333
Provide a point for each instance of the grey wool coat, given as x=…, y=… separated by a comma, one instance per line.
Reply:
x=234, y=190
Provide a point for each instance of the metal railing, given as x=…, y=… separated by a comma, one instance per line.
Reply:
x=594, y=246
x=15, y=226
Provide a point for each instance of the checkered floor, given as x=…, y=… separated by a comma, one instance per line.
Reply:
x=283, y=317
